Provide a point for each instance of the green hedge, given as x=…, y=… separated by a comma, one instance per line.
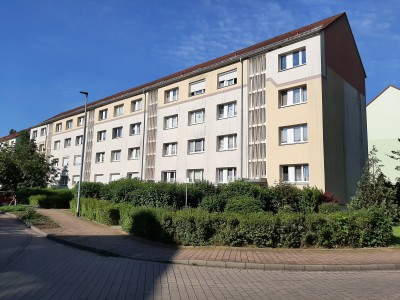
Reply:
x=364, y=228
x=100, y=211
x=51, y=198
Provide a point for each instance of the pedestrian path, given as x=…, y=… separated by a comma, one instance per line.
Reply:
x=103, y=239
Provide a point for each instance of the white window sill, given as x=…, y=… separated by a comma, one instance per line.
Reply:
x=294, y=104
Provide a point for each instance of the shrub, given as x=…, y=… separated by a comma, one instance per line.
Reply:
x=244, y=205
x=310, y=198
x=213, y=203
x=51, y=198
x=12, y=208
x=37, y=200
x=90, y=190
x=100, y=211
x=285, y=195
x=328, y=208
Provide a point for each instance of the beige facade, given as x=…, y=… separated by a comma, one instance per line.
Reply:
x=281, y=110
x=383, y=116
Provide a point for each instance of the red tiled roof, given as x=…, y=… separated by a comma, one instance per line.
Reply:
x=10, y=136
x=320, y=25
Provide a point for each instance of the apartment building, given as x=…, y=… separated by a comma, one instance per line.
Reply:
x=291, y=108
x=383, y=118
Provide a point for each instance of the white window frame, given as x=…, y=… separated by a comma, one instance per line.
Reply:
x=172, y=95
x=100, y=157
x=227, y=79
x=295, y=134
x=170, y=149
x=118, y=110
x=34, y=134
x=133, y=175
x=97, y=177
x=196, y=146
x=197, y=87
x=55, y=162
x=77, y=160
x=42, y=148
x=79, y=140
x=43, y=131
x=101, y=135
x=67, y=143
x=135, y=129
x=57, y=145
x=75, y=179
x=287, y=60
x=136, y=105
x=133, y=153
x=195, y=175
x=115, y=155
x=227, y=142
x=171, y=122
x=115, y=176
x=65, y=161
x=58, y=127
x=289, y=97
x=81, y=121
x=297, y=174
x=227, y=110
x=196, y=116
x=68, y=124
x=117, y=132
x=103, y=114
x=168, y=176
x=226, y=175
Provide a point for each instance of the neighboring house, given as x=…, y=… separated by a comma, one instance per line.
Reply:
x=291, y=108
x=9, y=139
x=383, y=118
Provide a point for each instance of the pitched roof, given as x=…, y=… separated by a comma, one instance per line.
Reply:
x=10, y=136
x=272, y=43
x=389, y=86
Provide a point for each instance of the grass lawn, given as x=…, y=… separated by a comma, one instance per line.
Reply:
x=30, y=216
x=396, y=236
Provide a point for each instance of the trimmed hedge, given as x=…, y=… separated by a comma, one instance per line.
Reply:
x=100, y=211
x=51, y=198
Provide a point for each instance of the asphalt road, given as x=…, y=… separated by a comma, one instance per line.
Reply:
x=33, y=267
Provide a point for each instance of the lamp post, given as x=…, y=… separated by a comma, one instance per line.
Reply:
x=78, y=201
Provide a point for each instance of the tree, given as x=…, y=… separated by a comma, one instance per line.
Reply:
x=374, y=189
x=396, y=156
x=12, y=131
x=22, y=166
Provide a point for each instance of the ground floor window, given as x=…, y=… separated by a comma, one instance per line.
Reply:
x=295, y=173
x=225, y=175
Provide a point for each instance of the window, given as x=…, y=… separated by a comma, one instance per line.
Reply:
x=135, y=129
x=81, y=121
x=55, y=162
x=168, y=176
x=116, y=155
x=100, y=157
x=75, y=179
x=171, y=122
x=118, y=110
x=103, y=114
x=197, y=88
x=68, y=124
x=98, y=178
x=225, y=175
x=293, y=96
x=170, y=149
x=67, y=143
x=293, y=134
x=57, y=145
x=58, y=127
x=101, y=135
x=65, y=161
x=77, y=160
x=134, y=153
x=196, y=117
x=136, y=105
x=227, y=110
x=291, y=60
x=227, y=142
x=79, y=140
x=114, y=176
x=227, y=79
x=43, y=131
x=34, y=134
x=117, y=132
x=132, y=175
x=195, y=175
x=295, y=173
x=42, y=148
x=171, y=95
x=196, y=146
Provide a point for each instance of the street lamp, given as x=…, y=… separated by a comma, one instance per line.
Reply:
x=78, y=201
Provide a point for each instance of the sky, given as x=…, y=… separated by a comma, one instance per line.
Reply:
x=52, y=49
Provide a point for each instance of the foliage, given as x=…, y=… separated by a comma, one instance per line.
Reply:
x=213, y=203
x=328, y=207
x=22, y=166
x=49, y=198
x=374, y=190
x=98, y=210
x=12, y=208
x=396, y=156
x=90, y=190
x=243, y=204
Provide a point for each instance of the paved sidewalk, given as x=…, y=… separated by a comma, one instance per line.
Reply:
x=112, y=241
